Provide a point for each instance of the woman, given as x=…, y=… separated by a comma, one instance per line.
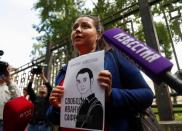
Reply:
x=126, y=90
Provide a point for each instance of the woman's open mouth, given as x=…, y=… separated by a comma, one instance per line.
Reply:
x=78, y=38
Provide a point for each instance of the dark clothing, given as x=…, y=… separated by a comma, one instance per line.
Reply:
x=90, y=114
x=1, y=125
x=130, y=93
x=40, y=104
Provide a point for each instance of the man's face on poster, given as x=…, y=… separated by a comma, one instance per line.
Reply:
x=83, y=82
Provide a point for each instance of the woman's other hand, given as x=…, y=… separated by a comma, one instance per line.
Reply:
x=56, y=95
x=105, y=81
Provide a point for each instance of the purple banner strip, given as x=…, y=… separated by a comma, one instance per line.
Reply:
x=150, y=61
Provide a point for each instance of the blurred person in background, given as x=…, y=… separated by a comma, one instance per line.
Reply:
x=8, y=89
x=41, y=103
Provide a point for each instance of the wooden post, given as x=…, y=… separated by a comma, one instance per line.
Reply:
x=161, y=91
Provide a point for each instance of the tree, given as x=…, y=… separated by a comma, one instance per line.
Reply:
x=164, y=39
x=56, y=19
x=170, y=7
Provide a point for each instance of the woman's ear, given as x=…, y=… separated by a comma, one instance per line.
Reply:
x=99, y=35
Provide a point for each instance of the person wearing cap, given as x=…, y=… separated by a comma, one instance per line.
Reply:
x=8, y=89
x=41, y=103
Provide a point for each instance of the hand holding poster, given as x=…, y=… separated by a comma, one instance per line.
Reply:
x=84, y=100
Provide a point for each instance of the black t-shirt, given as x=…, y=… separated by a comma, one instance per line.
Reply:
x=90, y=114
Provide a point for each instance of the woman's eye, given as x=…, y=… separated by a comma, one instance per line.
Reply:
x=74, y=27
x=82, y=26
x=85, y=26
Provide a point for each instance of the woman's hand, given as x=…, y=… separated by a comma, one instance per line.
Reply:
x=105, y=80
x=55, y=96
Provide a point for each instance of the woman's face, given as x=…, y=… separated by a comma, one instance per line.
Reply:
x=84, y=35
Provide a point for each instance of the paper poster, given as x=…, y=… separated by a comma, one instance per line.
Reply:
x=83, y=103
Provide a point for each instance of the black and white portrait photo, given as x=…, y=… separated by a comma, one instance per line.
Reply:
x=90, y=113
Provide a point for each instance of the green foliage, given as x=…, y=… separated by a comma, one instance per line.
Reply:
x=164, y=39
x=178, y=116
x=38, y=50
x=56, y=20
x=176, y=30
x=140, y=34
x=168, y=7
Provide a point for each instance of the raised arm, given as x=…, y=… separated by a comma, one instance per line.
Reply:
x=47, y=83
x=30, y=90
